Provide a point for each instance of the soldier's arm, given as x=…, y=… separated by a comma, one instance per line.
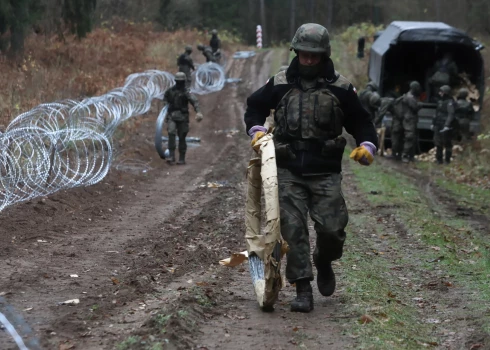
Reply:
x=193, y=101
x=357, y=120
x=259, y=105
x=191, y=64
x=450, y=114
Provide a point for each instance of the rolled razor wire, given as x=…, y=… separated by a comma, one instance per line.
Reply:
x=67, y=144
x=13, y=332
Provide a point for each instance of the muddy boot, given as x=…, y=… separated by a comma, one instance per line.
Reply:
x=304, y=297
x=405, y=158
x=171, y=157
x=325, y=280
x=439, y=155
x=448, y=155
x=181, y=158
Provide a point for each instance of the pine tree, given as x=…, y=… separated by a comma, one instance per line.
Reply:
x=77, y=14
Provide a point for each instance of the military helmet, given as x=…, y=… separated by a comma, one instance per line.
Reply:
x=371, y=84
x=214, y=32
x=445, y=89
x=463, y=93
x=311, y=37
x=415, y=86
x=375, y=99
x=180, y=76
x=188, y=48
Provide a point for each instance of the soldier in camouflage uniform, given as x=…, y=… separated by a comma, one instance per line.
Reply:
x=208, y=53
x=312, y=104
x=444, y=124
x=186, y=65
x=365, y=95
x=215, y=44
x=444, y=72
x=381, y=105
x=178, y=99
x=409, y=116
x=464, y=114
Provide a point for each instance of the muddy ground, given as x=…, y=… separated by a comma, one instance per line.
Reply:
x=145, y=245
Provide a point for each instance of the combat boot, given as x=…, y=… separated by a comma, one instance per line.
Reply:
x=405, y=158
x=181, y=158
x=325, y=279
x=171, y=157
x=304, y=297
x=448, y=155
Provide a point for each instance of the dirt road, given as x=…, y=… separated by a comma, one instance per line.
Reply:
x=145, y=244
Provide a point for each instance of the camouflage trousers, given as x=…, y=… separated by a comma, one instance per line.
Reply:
x=177, y=129
x=410, y=134
x=443, y=142
x=397, y=136
x=464, y=129
x=321, y=197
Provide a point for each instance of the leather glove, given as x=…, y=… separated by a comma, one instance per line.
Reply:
x=257, y=136
x=199, y=117
x=444, y=129
x=364, y=154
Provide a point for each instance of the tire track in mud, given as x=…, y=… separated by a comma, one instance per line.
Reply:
x=430, y=291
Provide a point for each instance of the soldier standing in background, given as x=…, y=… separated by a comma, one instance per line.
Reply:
x=215, y=44
x=364, y=97
x=409, y=108
x=444, y=72
x=444, y=124
x=464, y=114
x=186, y=65
x=178, y=98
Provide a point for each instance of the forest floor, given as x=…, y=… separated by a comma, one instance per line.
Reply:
x=145, y=245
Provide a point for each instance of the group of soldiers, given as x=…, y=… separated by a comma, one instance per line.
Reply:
x=178, y=98
x=452, y=118
x=211, y=52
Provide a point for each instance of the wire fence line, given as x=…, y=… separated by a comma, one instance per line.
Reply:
x=68, y=144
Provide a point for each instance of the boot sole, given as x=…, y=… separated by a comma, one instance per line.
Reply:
x=305, y=311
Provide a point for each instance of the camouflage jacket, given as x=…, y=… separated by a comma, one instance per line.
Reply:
x=178, y=103
x=464, y=109
x=445, y=116
x=185, y=62
x=215, y=43
x=387, y=105
x=356, y=120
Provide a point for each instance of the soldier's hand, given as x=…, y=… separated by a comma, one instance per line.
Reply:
x=257, y=136
x=199, y=117
x=363, y=155
x=445, y=129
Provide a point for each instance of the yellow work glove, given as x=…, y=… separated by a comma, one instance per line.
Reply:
x=362, y=155
x=199, y=117
x=258, y=135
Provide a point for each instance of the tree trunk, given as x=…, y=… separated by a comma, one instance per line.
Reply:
x=329, y=14
x=265, y=38
x=438, y=10
x=17, y=28
x=292, y=18
x=311, y=11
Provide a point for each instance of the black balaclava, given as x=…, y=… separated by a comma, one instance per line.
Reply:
x=180, y=84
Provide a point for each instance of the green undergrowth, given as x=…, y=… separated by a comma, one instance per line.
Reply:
x=448, y=243
x=385, y=315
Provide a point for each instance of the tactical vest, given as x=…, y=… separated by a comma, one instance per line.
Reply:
x=463, y=109
x=314, y=115
x=178, y=105
x=441, y=112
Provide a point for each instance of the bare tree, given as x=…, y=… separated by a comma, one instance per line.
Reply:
x=262, y=19
x=292, y=17
x=329, y=14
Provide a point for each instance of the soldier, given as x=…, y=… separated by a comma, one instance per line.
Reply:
x=365, y=95
x=381, y=105
x=178, y=97
x=443, y=125
x=409, y=117
x=186, y=65
x=464, y=114
x=312, y=103
x=207, y=52
x=444, y=72
x=215, y=43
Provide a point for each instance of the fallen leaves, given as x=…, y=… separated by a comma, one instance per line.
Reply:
x=364, y=319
